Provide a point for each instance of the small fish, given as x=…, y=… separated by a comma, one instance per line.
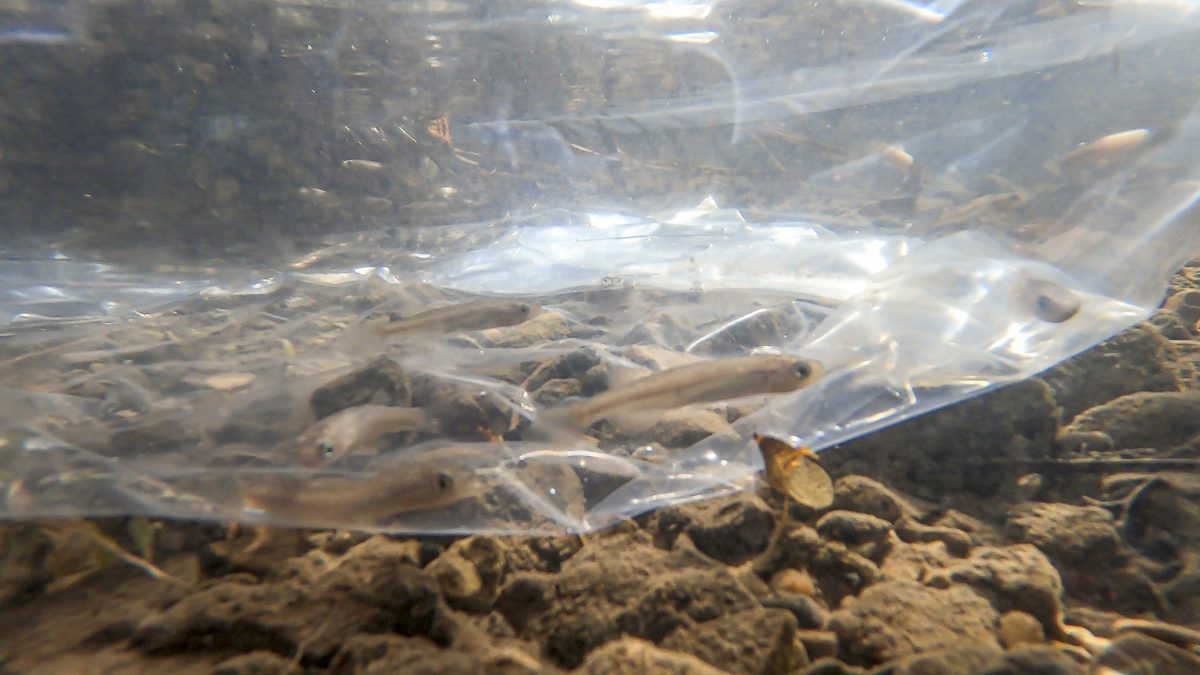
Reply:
x=792, y=472
x=337, y=502
x=353, y=428
x=1049, y=301
x=980, y=207
x=362, y=165
x=466, y=316
x=1105, y=150
x=705, y=382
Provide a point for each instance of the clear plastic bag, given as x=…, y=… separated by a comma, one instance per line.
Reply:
x=923, y=200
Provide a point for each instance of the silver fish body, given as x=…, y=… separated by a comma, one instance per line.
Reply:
x=345, y=431
x=706, y=382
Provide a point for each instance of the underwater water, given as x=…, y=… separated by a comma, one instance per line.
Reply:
x=361, y=335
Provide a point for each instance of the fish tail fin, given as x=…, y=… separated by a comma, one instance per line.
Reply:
x=361, y=339
x=558, y=424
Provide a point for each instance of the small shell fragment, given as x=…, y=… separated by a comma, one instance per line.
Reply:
x=794, y=472
x=896, y=158
x=228, y=381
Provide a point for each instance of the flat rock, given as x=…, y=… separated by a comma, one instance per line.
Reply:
x=1146, y=419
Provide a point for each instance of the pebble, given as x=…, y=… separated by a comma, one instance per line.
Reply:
x=866, y=495
x=1018, y=628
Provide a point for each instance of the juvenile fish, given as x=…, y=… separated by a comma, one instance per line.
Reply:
x=1105, y=149
x=339, y=501
x=1047, y=300
x=348, y=430
x=705, y=382
x=466, y=316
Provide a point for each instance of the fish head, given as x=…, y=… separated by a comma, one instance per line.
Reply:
x=321, y=444
x=525, y=311
x=792, y=373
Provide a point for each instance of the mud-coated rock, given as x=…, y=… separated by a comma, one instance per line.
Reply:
x=382, y=382
x=1068, y=534
x=732, y=530
x=1139, y=359
x=838, y=570
x=896, y=619
x=1011, y=577
x=974, y=448
x=957, y=542
x=866, y=495
x=631, y=655
x=754, y=641
x=862, y=532
x=1145, y=419
x=623, y=584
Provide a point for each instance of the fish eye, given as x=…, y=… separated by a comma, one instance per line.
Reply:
x=802, y=370
x=444, y=481
x=326, y=449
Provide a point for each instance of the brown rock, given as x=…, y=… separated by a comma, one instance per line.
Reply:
x=1136, y=654
x=382, y=654
x=685, y=427
x=622, y=584
x=820, y=644
x=1018, y=628
x=865, y=495
x=964, y=658
x=631, y=655
x=731, y=530
x=961, y=449
x=1068, y=534
x=258, y=663
x=1013, y=577
x=895, y=619
x=754, y=641
x=862, y=532
x=957, y=542
x=1035, y=660
x=1146, y=419
x=1137, y=360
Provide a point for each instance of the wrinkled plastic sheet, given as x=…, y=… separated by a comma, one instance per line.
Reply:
x=177, y=391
